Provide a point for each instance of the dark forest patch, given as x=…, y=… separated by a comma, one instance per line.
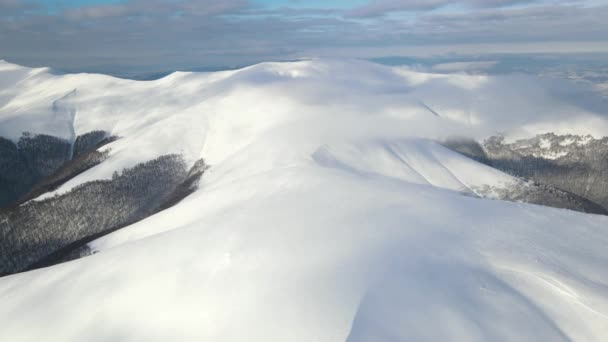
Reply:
x=575, y=178
x=40, y=233
x=37, y=163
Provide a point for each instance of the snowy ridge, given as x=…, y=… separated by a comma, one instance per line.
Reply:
x=415, y=161
x=328, y=213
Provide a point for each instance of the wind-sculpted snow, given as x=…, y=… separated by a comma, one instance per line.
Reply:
x=328, y=213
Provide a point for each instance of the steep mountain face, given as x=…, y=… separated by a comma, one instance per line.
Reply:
x=330, y=211
x=571, y=170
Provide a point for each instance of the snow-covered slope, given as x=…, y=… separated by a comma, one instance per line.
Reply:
x=328, y=213
x=213, y=115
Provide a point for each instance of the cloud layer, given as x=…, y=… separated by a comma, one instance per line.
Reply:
x=382, y=7
x=161, y=34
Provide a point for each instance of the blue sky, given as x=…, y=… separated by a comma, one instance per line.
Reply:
x=182, y=34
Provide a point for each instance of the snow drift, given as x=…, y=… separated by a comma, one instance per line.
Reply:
x=329, y=212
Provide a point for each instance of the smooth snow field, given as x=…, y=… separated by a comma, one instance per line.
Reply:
x=329, y=211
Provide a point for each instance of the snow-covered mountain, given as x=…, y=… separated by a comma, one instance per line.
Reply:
x=307, y=201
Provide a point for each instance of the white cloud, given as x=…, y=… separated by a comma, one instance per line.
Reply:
x=162, y=34
x=381, y=7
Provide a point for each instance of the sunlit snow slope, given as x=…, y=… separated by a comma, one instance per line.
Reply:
x=329, y=212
